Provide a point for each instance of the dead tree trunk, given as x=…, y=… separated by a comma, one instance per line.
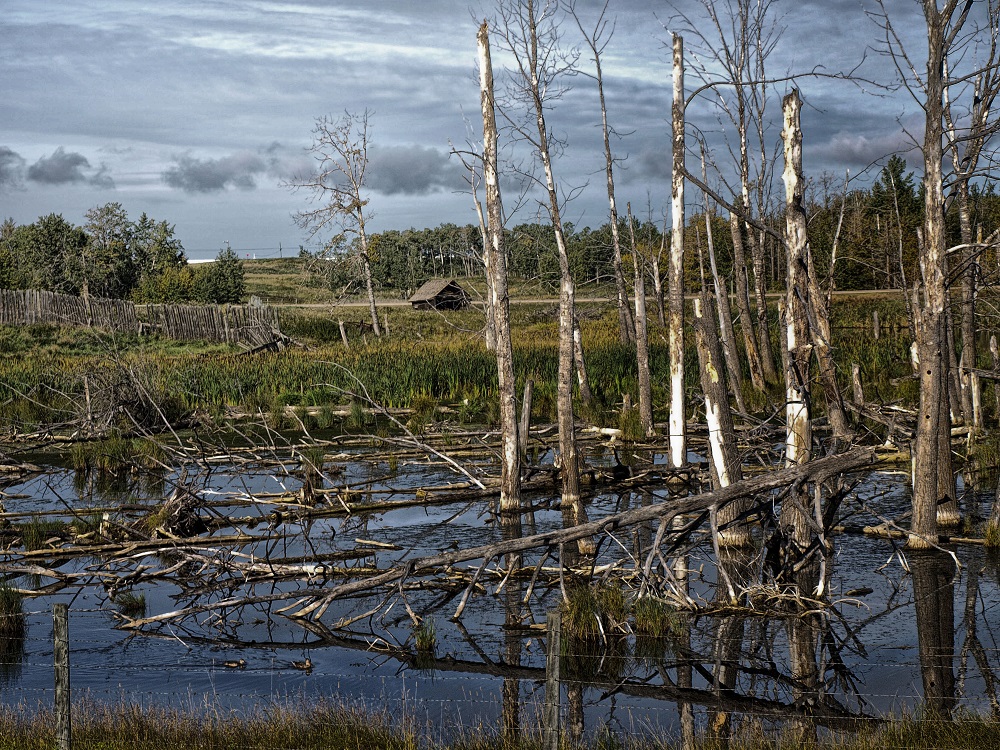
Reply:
x=931, y=462
x=724, y=458
x=641, y=337
x=510, y=471
x=675, y=280
x=596, y=44
x=582, y=379
x=534, y=77
x=798, y=439
x=490, y=333
x=366, y=267
x=743, y=303
x=729, y=350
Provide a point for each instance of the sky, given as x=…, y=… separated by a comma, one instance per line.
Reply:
x=200, y=113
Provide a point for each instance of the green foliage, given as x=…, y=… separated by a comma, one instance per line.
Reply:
x=110, y=256
x=222, y=281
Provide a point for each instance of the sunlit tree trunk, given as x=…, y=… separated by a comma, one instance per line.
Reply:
x=366, y=268
x=728, y=333
x=675, y=280
x=510, y=460
x=580, y=364
x=798, y=424
x=724, y=457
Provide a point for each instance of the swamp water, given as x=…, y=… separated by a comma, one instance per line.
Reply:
x=902, y=632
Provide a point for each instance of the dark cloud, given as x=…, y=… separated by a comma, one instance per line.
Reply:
x=215, y=175
x=285, y=164
x=413, y=170
x=68, y=167
x=11, y=168
x=240, y=170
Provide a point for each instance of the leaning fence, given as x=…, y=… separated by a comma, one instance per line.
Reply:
x=249, y=325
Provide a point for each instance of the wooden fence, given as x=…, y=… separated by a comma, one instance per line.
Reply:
x=27, y=306
x=250, y=325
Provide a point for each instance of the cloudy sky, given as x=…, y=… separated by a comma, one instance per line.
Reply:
x=199, y=112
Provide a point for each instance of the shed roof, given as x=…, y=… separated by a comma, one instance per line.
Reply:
x=433, y=288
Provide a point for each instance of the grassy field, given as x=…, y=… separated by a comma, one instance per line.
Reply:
x=51, y=376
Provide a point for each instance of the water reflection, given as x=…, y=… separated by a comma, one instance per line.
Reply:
x=934, y=600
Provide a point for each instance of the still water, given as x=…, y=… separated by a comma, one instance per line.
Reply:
x=895, y=631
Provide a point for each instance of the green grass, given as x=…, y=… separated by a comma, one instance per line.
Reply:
x=131, y=604
x=429, y=357
x=35, y=533
x=328, y=725
x=12, y=623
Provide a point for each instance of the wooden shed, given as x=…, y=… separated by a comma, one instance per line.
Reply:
x=440, y=294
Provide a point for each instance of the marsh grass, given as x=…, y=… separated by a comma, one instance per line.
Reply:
x=594, y=612
x=991, y=535
x=12, y=618
x=329, y=725
x=36, y=533
x=131, y=604
x=654, y=617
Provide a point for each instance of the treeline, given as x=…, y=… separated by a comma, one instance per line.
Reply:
x=877, y=245
x=113, y=257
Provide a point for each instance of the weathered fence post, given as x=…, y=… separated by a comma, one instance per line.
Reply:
x=550, y=717
x=343, y=334
x=60, y=634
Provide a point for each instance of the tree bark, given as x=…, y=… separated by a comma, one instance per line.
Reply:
x=931, y=462
x=510, y=455
x=724, y=457
x=641, y=336
x=798, y=438
x=582, y=379
x=675, y=280
x=743, y=303
x=734, y=375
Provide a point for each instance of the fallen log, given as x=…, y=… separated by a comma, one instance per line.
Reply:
x=319, y=599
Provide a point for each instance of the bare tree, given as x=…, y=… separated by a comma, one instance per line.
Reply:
x=675, y=277
x=725, y=313
x=970, y=124
x=641, y=336
x=597, y=40
x=933, y=479
x=337, y=188
x=530, y=32
x=736, y=44
x=496, y=269
x=798, y=436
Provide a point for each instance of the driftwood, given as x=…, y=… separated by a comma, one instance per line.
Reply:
x=316, y=600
